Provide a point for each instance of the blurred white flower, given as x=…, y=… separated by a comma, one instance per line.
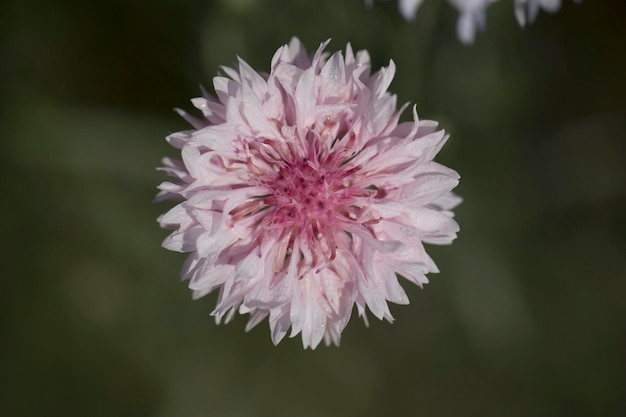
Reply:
x=526, y=10
x=472, y=13
x=472, y=17
x=408, y=8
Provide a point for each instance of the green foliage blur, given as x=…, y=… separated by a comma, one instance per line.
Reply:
x=526, y=318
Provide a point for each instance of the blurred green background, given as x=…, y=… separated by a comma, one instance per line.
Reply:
x=527, y=317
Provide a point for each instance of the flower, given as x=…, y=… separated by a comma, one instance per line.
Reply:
x=472, y=17
x=472, y=13
x=408, y=8
x=303, y=196
x=526, y=10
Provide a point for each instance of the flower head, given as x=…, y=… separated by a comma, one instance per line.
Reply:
x=303, y=196
x=408, y=8
x=473, y=13
x=526, y=10
x=472, y=17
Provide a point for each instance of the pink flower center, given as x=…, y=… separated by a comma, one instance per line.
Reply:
x=317, y=199
x=311, y=201
x=310, y=198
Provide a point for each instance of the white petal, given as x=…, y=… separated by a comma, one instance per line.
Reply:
x=408, y=8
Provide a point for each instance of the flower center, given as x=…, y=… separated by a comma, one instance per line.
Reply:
x=308, y=196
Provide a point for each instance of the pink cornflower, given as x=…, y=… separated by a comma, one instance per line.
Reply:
x=303, y=196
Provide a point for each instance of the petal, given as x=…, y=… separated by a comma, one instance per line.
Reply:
x=408, y=8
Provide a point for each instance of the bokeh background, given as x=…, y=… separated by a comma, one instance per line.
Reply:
x=526, y=318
